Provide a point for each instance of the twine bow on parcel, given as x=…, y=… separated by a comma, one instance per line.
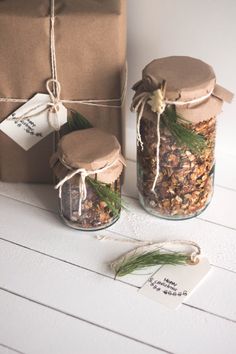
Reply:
x=157, y=101
x=52, y=108
x=82, y=181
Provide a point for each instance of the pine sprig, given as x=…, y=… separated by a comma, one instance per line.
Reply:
x=106, y=194
x=148, y=259
x=196, y=143
x=76, y=121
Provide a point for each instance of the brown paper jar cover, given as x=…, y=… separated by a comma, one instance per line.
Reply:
x=91, y=149
x=90, y=41
x=186, y=79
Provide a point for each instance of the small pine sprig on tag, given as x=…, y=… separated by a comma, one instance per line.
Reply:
x=145, y=260
x=196, y=143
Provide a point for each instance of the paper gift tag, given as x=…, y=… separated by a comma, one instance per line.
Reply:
x=30, y=131
x=172, y=284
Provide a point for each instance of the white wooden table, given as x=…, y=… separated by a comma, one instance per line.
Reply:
x=58, y=296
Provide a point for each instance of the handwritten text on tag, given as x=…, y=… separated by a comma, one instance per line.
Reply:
x=29, y=131
x=172, y=284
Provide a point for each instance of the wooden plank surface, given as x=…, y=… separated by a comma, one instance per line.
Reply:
x=40, y=329
x=57, y=290
x=114, y=305
x=83, y=250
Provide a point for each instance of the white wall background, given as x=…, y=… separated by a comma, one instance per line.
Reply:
x=205, y=29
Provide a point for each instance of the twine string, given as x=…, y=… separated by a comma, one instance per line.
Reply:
x=52, y=107
x=116, y=103
x=53, y=46
x=157, y=154
x=82, y=181
x=149, y=246
x=158, y=106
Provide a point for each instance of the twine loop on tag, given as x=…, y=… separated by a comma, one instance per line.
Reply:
x=52, y=107
x=54, y=97
x=158, y=103
x=194, y=258
x=149, y=246
x=82, y=181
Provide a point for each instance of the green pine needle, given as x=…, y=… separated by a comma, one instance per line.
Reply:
x=196, y=143
x=148, y=259
x=77, y=121
x=106, y=194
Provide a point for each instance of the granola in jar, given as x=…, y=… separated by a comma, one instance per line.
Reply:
x=177, y=103
x=88, y=165
x=185, y=183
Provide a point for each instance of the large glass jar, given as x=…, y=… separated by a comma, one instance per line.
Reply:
x=175, y=152
x=88, y=165
x=185, y=184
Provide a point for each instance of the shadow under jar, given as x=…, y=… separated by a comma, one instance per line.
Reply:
x=88, y=165
x=177, y=130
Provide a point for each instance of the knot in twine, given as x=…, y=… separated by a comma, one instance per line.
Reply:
x=143, y=247
x=157, y=101
x=82, y=181
x=52, y=107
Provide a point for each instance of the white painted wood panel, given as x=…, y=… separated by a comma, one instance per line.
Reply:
x=41, y=195
x=222, y=208
x=225, y=175
x=4, y=349
x=209, y=297
x=35, y=329
x=45, y=232
x=45, y=261
x=113, y=304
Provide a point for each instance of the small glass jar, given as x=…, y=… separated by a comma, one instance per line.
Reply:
x=88, y=165
x=184, y=186
x=95, y=213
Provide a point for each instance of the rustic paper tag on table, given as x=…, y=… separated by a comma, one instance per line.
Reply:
x=172, y=284
x=29, y=131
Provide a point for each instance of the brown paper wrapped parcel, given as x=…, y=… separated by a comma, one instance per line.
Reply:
x=90, y=42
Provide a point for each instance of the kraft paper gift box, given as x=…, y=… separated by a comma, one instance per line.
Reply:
x=90, y=47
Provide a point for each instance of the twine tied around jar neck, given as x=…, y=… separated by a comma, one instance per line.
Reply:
x=82, y=181
x=158, y=103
